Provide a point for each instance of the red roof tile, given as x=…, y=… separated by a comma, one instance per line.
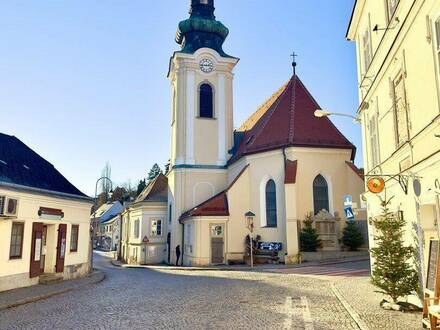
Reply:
x=215, y=206
x=358, y=171
x=287, y=119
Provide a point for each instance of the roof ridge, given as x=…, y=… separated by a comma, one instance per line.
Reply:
x=292, y=111
x=273, y=107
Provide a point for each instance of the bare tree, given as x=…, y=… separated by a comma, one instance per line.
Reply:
x=106, y=184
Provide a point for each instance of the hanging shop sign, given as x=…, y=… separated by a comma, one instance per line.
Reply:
x=48, y=213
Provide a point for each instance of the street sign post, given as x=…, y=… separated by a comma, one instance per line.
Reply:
x=348, y=207
x=349, y=214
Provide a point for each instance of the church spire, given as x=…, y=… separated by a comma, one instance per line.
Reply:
x=201, y=29
x=202, y=8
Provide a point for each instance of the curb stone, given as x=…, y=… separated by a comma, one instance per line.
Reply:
x=355, y=316
x=99, y=277
x=117, y=263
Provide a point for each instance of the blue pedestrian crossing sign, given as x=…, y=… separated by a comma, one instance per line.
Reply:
x=349, y=214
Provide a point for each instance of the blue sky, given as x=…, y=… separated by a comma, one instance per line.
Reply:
x=84, y=82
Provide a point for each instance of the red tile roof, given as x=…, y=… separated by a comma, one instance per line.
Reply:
x=358, y=171
x=287, y=119
x=215, y=206
x=290, y=172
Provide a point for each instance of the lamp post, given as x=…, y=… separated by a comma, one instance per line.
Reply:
x=249, y=216
x=319, y=113
x=93, y=225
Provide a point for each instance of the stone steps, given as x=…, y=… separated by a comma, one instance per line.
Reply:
x=50, y=278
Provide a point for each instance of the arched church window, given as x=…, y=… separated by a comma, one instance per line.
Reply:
x=320, y=194
x=271, y=204
x=206, y=101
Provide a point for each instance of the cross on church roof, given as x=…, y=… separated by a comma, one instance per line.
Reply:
x=294, y=56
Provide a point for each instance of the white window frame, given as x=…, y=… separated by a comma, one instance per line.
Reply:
x=373, y=141
x=391, y=8
x=136, y=228
x=400, y=138
x=436, y=33
x=154, y=226
x=367, y=50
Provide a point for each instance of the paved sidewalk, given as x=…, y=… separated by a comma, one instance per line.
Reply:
x=257, y=268
x=359, y=293
x=17, y=297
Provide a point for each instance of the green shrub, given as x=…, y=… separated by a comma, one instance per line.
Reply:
x=309, y=237
x=352, y=236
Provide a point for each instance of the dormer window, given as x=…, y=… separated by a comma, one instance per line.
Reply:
x=206, y=101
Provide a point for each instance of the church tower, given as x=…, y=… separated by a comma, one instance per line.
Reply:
x=202, y=115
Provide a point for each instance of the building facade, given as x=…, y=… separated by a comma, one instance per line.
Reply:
x=398, y=60
x=281, y=164
x=144, y=226
x=44, y=220
x=109, y=233
x=99, y=220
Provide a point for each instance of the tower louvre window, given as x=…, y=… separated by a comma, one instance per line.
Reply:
x=206, y=101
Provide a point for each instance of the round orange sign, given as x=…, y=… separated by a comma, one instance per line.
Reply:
x=375, y=185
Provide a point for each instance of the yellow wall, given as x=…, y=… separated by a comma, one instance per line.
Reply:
x=75, y=212
x=408, y=49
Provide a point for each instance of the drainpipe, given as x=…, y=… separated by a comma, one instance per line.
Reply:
x=183, y=244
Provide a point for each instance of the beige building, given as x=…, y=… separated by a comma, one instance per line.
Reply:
x=144, y=225
x=44, y=220
x=281, y=164
x=398, y=59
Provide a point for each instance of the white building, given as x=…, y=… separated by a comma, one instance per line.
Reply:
x=398, y=60
x=103, y=214
x=144, y=225
x=44, y=219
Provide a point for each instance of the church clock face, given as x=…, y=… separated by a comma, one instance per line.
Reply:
x=206, y=65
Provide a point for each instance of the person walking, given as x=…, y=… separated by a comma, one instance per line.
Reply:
x=177, y=254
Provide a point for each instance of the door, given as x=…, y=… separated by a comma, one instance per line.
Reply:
x=169, y=247
x=36, y=247
x=217, y=244
x=61, y=248
x=43, y=248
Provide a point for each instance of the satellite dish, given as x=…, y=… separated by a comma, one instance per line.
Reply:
x=417, y=186
x=375, y=185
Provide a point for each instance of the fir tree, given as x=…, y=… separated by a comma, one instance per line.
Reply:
x=141, y=186
x=392, y=272
x=352, y=236
x=167, y=166
x=309, y=237
x=154, y=172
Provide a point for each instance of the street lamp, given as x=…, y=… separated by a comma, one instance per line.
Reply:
x=319, y=113
x=93, y=225
x=249, y=216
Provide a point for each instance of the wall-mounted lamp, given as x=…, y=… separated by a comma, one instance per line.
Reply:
x=377, y=28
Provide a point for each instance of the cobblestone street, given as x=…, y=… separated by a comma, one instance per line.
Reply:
x=173, y=299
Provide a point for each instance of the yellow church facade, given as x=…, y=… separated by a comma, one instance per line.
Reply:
x=398, y=60
x=281, y=164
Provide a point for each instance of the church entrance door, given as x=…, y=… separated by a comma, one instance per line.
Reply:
x=217, y=244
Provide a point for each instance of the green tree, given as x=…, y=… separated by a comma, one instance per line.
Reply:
x=154, y=172
x=392, y=272
x=141, y=186
x=167, y=166
x=309, y=237
x=352, y=236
